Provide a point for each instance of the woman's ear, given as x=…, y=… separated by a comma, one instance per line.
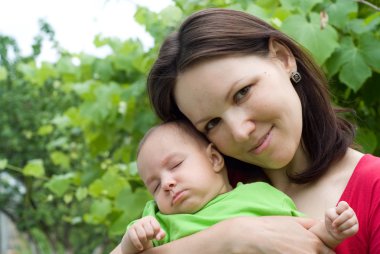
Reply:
x=215, y=157
x=282, y=53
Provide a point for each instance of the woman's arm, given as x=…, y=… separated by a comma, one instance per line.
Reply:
x=269, y=234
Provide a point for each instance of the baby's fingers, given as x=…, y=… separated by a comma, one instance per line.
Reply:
x=133, y=236
x=158, y=232
x=350, y=231
x=344, y=216
x=350, y=223
x=331, y=215
x=342, y=206
x=142, y=234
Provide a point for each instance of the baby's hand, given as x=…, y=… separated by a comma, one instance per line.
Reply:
x=341, y=221
x=139, y=235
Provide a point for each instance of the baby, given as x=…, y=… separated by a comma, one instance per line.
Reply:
x=188, y=179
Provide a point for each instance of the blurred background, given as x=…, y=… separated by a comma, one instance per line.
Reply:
x=73, y=105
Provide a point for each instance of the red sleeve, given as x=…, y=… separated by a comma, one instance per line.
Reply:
x=374, y=219
x=363, y=194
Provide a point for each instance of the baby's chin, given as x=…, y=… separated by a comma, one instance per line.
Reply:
x=183, y=208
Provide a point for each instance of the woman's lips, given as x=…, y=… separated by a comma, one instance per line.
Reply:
x=263, y=143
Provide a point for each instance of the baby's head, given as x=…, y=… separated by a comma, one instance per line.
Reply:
x=181, y=168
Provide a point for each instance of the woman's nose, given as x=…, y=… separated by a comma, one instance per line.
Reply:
x=241, y=128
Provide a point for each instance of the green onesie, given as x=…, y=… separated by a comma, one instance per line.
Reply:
x=255, y=199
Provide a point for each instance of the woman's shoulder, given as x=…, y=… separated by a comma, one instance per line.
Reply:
x=364, y=182
x=367, y=169
x=358, y=162
x=360, y=170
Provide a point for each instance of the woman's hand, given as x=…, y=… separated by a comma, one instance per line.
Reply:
x=274, y=234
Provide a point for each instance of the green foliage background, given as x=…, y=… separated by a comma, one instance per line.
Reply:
x=69, y=129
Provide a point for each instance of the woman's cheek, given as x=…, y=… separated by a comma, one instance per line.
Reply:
x=223, y=144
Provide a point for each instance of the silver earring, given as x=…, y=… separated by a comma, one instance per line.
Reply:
x=295, y=76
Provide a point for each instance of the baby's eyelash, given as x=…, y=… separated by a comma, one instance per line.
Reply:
x=177, y=164
x=156, y=188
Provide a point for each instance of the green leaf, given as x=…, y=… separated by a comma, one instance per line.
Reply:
x=109, y=185
x=67, y=198
x=119, y=226
x=3, y=164
x=142, y=15
x=59, y=184
x=171, y=15
x=132, y=202
x=132, y=167
x=100, y=41
x=372, y=20
x=301, y=5
x=132, y=205
x=369, y=46
x=357, y=26
x=341, y=56
x=113, y=183
x=96, y=188
x=67, y=70
x=34, y=168
x=103, y=69
x=351, y=61
x=81, y=193
x=73, y=114
x=29, y=71
x=60, y=159
x=3, y=73
x=355, y=72
x=340, y=11
x=321, y=42
x=46, y=71
x=45, y=130
x=360, y=26
x=98, y=211
x=367, y=139
x=267, y=4
x=257, y=11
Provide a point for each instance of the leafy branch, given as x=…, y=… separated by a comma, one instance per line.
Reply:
x=369, y=4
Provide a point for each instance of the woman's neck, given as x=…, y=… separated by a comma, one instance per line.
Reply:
x=279, y=177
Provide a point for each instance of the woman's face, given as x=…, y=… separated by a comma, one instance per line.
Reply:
x=246, y=105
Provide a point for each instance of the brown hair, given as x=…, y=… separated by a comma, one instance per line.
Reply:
x=221, y=32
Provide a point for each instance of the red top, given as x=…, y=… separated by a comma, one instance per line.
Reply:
x=362, y=193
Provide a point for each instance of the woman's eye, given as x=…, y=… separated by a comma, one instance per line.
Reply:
x=211, y=124
x=241, y=93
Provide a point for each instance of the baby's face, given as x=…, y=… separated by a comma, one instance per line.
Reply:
x=178, y=171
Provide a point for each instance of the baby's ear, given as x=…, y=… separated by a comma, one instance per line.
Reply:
x=215, y=158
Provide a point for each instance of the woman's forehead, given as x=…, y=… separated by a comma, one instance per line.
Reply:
x=205, y=88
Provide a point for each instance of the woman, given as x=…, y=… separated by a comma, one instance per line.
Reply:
x=262, y=100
